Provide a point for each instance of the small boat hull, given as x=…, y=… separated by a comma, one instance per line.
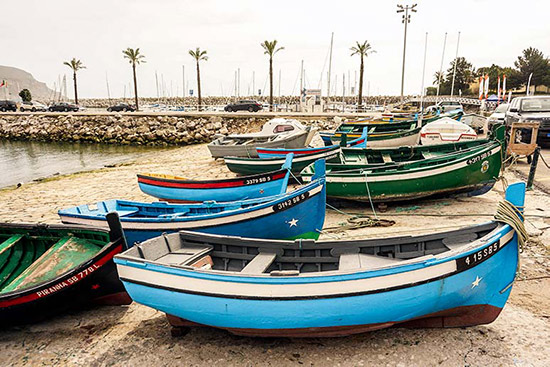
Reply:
x=458, y=278
x=175, y=190
x=472, y=171
x=218, y=148
x=296, y=214
x=94, y=281
x=251, y=166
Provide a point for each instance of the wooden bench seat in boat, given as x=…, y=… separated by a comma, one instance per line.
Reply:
x=64, y=255
x=386, y=157
x=7, y=265
x=260, y=262
x=182, y=256
x=350, y=261
x=10, y=242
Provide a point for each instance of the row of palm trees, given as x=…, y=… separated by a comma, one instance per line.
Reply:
x=135, y=58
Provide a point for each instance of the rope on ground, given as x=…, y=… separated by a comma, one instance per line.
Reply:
x=357, y=221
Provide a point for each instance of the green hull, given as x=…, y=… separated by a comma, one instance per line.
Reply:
x=441, y=170
x=28, y=259
x=251, y=166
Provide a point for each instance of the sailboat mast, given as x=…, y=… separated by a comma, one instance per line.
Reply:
x=330, y=64
x=423, y=74
x=454, y=69
x=441, y=65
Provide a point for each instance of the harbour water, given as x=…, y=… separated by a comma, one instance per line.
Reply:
x=22, y=162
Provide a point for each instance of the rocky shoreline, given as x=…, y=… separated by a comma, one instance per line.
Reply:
x=127, y=129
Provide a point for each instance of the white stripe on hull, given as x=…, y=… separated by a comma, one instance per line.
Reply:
x=296, y=159
x=231, y=288
x=398, y=142
x=421, y=173
x=174, y=224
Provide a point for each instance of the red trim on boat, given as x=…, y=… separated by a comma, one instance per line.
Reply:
x=297, y=152
x=65, y=282
x=454, y=317
x=207, y=185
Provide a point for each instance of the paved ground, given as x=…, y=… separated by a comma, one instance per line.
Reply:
x=136, y=335
x=542, y=174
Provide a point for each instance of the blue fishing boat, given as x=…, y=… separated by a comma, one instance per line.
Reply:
x=264, y=153
x=296, y=214
x=180, y=190
x=262, y=287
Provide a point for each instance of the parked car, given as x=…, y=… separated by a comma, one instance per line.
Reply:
x=251, y=106
x=498, y=114
x=8, y=106
x=531, y=109
x=121, y=107
x=447, y=106
x=63, y=107
x=32, y=106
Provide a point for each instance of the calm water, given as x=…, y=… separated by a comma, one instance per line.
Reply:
x=26, y=161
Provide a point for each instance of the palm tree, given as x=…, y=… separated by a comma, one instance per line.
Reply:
x=134, y=58
x=75, y=65
x=270, y=48
x=198, y=55
x=362, y=49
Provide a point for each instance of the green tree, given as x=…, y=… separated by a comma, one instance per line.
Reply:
x=198, y=55
x=25, y=95
x=363, y=50
x=533, y=61
x=135, y=58
x=75, y=65
x=431, y=91
x=270, y=49
x=494, y=71
x=465, y=73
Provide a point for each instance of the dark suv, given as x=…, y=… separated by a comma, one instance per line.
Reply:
x=63, y=107
x=121, y=107
x=251, y=106
x=8, y=106
x=531, y=109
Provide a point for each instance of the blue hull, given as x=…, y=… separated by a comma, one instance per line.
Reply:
x=310, y=219
x=497, y=274
x=219, y=194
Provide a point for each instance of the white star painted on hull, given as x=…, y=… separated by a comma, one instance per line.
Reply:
x=293, y=222
x=475, y=283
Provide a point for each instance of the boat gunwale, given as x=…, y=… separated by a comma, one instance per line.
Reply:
x=261, y=203
x=108, y=247
x=397, y=168
x=500, y=231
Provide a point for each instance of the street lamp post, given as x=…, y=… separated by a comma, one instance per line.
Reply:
x=406, y=19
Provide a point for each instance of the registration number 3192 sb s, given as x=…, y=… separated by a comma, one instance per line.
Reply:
x=290, y=202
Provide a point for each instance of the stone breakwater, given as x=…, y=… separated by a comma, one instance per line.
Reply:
x=128, y=129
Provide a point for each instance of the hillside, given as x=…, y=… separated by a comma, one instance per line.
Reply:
x=18, y=79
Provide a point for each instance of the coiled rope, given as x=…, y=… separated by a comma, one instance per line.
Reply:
x=510, y=214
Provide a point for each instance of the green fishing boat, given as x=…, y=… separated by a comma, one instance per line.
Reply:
x=414, y=172
x=383, y=134
x=46, y=269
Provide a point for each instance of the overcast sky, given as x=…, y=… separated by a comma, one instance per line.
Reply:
x=39, y=35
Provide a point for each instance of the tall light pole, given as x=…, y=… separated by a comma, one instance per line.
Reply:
x=405, y=19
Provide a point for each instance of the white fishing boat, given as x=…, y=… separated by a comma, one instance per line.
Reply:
x=276, y=133
x=446, y=130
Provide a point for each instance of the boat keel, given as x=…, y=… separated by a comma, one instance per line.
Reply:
x=455, y=317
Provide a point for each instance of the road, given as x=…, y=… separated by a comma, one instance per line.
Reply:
x=242, y=114
x=542, y=175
